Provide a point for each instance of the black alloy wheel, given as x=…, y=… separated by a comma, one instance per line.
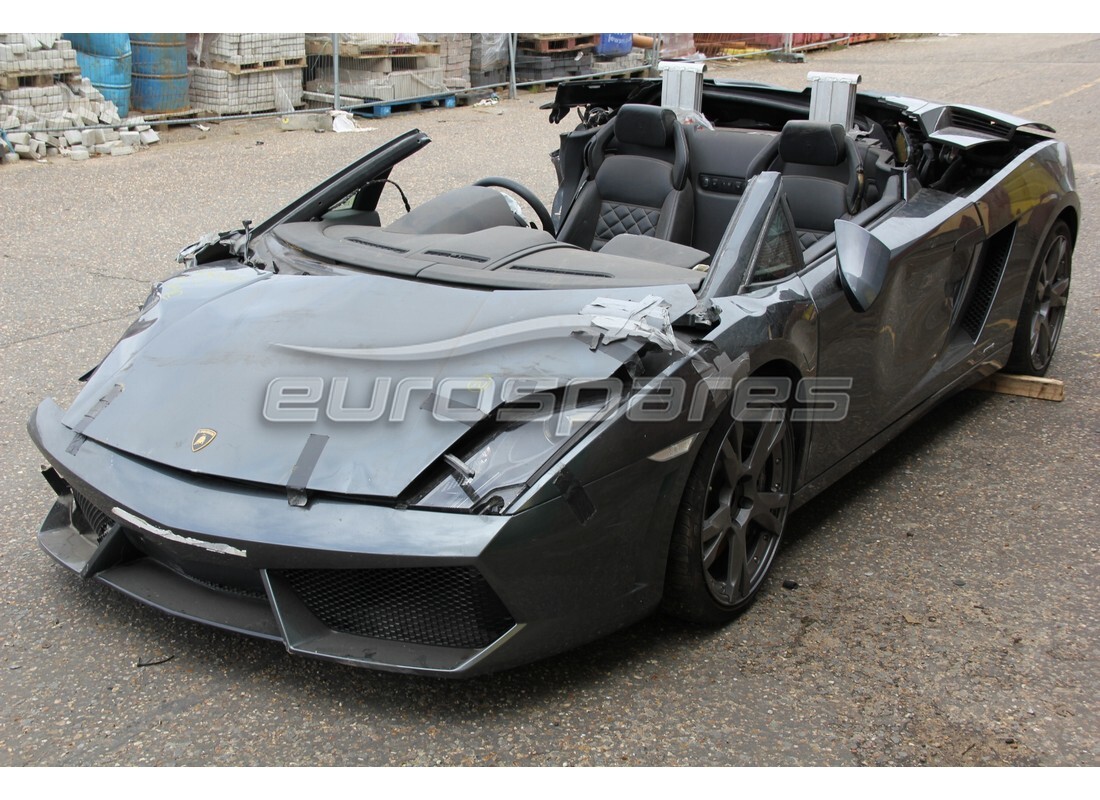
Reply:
x=731, y=519
x=1044, y=306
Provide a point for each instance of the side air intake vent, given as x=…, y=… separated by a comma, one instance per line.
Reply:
x=992, y=267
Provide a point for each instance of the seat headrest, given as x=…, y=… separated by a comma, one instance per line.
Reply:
x=649, y=126
x=819, y=144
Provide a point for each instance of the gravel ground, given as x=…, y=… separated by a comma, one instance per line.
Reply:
x=946, y=611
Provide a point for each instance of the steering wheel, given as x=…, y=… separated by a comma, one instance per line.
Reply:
x=526, y=194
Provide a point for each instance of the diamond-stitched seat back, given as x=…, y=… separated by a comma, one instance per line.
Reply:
x=639, y=185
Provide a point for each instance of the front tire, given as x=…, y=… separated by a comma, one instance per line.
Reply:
x=731, y=519
x=1044, y=306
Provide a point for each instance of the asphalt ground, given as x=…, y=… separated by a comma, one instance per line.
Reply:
x=946, y=609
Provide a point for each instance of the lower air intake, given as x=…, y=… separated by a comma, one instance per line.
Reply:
x=441, y=606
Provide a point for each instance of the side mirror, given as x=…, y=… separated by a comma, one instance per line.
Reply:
x=863, y=262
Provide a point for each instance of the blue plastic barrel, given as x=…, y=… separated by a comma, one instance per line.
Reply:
x=160, y=79
x=612, y=45
x=109, y=67
x=110, y=45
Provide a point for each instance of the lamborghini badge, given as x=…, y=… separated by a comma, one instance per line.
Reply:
x=203, y=437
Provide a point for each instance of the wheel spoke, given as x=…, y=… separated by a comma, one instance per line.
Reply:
x=766, y=520
x=711, y=552
x=731, y=460
x=771, y=433
x=716, y=530
x=744, y=582
x=1057, y=293
x=1043, y=278
x=737, y=565
x=1054, y=259
x=1042, y=343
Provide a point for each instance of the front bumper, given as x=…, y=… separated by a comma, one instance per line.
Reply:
x=394, y=589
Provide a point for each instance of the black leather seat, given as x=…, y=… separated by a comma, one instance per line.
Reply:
x=822, y=176
x=637, y=182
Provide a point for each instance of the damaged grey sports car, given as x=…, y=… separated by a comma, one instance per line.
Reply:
x=458, y=441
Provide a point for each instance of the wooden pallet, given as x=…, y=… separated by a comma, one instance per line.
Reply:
x=323, y=47
x=35, y=78
x=412, y=104
x=557, y=42
x=259, y=66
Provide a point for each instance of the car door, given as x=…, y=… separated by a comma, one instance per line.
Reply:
x=896, y=345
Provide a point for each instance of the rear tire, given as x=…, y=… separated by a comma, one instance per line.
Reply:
x=731, y=519
x=1044, y=305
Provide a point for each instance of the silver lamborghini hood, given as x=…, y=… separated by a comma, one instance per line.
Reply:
x=242, y=374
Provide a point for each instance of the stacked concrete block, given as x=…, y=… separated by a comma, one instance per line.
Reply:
x=488, y=59
x=555, y=66
x=252, y=48
x=454, y=58
x=54, y=108
x=40, y=88
x=417, y=83
x=488, y=51
x=41, y=101
x=362, y=81
x=634, y=60
x=220, y=92
x=400, y=76
x=36, y=53
x=353, y=73
x=32, y=66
